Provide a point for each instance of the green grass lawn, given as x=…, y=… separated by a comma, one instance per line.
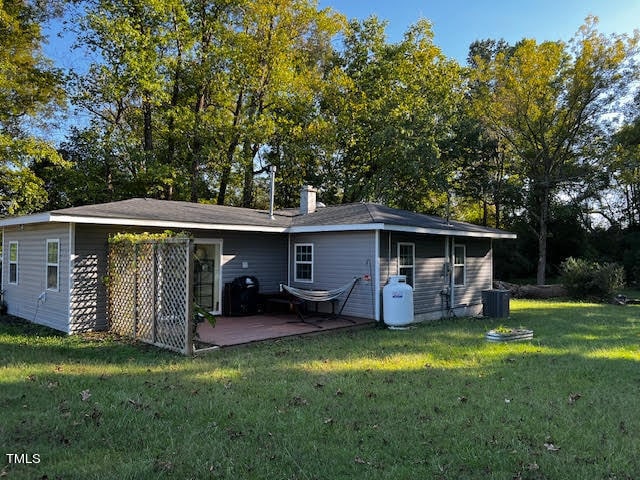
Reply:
x=437, y=401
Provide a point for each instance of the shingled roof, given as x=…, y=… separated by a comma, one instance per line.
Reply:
x=185, y=215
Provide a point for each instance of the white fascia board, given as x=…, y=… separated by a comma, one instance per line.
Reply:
x=26, y=219
x=337, y=228
x=398, y=228
x=452, y=231
x=134, y=222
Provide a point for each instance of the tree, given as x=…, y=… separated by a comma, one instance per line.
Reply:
x=190, y=94
x=546, y=101
x=625, y=172
x=392, y=106
x=30, y=91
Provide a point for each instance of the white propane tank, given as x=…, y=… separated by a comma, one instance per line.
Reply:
x=397, y=302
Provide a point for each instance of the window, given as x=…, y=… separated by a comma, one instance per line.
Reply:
x=304, y=262
x=13, y=262
x=459, y=259
x=407, y=261
x=53, y=259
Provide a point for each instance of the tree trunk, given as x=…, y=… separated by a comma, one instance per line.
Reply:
x=249, y=173
x=542, y=235
x=224, y=182
x=226, y=170
x=148, y=132
x=196, y=148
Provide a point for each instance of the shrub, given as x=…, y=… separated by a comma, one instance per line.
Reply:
x=586, y=279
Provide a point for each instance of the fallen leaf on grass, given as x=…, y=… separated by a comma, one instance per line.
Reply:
x=298, y=401
x=327, y=421
x=163, y=465
x=137, y=405
x=339, y=393
x=362, y=461
x=462, y=399
x=551, y=447
x=85, y=395
x=573, y=398
x=623, y=428
x=95, y=415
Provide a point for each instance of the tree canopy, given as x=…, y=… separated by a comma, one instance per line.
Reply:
x=195, y=99
x=547, y=101
x=30, y=91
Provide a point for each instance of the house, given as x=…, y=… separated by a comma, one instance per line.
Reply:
x=54, y=263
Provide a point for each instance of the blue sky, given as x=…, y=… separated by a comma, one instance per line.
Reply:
x=457, y=23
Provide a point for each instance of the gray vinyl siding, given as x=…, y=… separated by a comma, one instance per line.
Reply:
x=23, y=299
x=338, y=257
x=478, y=271
x=264, y=254
x=430, y=279
x=429, y=268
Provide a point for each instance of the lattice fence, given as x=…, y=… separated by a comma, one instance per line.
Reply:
x=150, y=292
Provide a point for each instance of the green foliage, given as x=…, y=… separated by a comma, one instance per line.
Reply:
x=30, y=93
x=132, y=238
x=393, y=106
x=547, y=101
x=631, y=256
x=588, y=279
x=188, y=98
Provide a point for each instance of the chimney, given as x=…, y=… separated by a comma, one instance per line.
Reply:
x=307, y=199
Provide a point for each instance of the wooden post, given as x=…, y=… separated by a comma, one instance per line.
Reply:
x=154, y=280
x=188, y=348
x=135, y=290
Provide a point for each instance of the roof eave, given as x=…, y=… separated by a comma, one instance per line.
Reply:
x=53, y=217
x=134, y=222
x=401, y=228
x=26, y=219
x=450, y=231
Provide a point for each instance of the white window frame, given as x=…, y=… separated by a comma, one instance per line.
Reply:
x=463, y=264
x=412, y=266
x=297, y=262
x=13, y=262
x=56, y=264
x=218, y=266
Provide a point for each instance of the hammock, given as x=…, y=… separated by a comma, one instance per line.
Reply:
x=320, y=295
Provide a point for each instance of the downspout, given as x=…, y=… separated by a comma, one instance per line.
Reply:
x=376, y=275
x=452, y=293
x=389, y=259
x=2, y=269
x=288, y=260
x=491, y=262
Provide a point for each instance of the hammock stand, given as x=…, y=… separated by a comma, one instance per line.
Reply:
x=322, y=296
